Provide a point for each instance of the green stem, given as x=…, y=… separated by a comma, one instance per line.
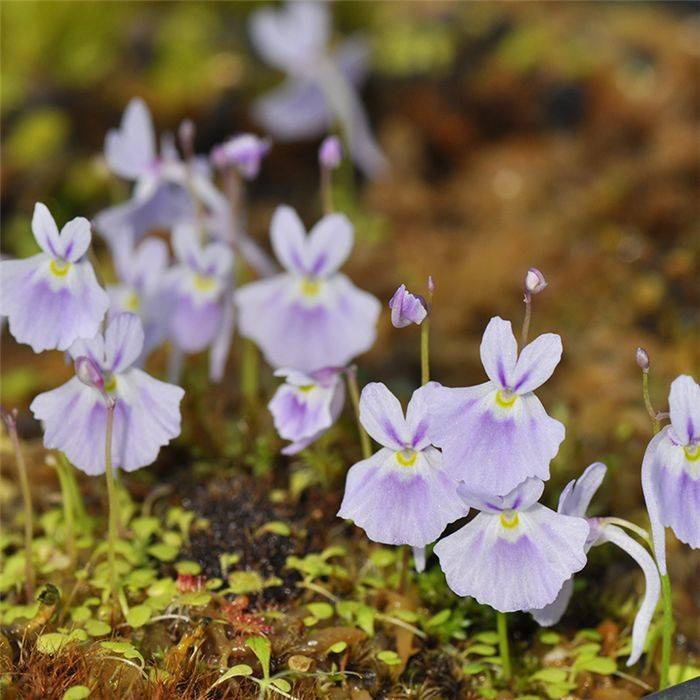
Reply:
x=647, y=402
x=425, y=351
x=354, y=392
x=113, y=505
x=667, y=630
x=68, y=513
x=502, y=625
x=28, y=511
x=526, y=321
x=250, y=365
x=326, y=191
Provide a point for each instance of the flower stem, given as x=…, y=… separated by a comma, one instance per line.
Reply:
x=68, y=511
x=425, y=351
x=667, y=630
x=113, y=505
x=326, y=191
x=353, y=390
x=647, y=402
x=250, y=364
x=29, y=576
x=502, y=625
x=526, y=321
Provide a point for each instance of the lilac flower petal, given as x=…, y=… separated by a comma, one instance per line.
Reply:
x=521, y=497
x=551, y=614
x=45, y=231
x=642, y=620
x=300, y=412
x=93, y=348
x=131, y=149
x=186, y=245
x=676, y=485
x=75, y=239
x=418, y=417
x=294, y=111
x=406, y=308
x=649, y=487
x=397, y=504
x=193, y=326
x=382, y=417
x=490, y=447
x=419, y=559
x=514, y=568
x=326, y=329
x=293, y=37
x=499, y=352
x=684, y=403
x=49, y=310
x=578, y=493
x=288, y=237
x=123, y=342
x=141, y=266
x=328, y=245
x=352, y=57
x=536, y=363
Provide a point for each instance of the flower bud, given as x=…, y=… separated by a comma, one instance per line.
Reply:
x=89, y=373
x=243, y=152
x=431, y=285
x=534, y=281
x=330, y=154
x=406, y=308
x=642, y=358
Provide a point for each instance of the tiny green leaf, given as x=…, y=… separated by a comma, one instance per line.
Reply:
x=139, y=615
x=549, y=638
x=276, y=527
x=77, y=692
x=320, y=610
x=337, y=647
x=261, y=648
x=234, y=672
x=390, y=658
x=597, y=664
x=97, y=628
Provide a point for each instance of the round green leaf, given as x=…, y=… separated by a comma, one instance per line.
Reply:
x=139, y=615
x=97, y=628
x=77, y=692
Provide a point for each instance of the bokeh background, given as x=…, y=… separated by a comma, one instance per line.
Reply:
x=557, y=135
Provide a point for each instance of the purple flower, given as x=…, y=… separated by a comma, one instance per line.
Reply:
x=498, y=433
x=406, y=308
x=141, y=270
x=306, y=405
x=310, y=316
x=403, y=494
x=574, y=501
x=671, y=471
x=534, y=281
x=320, y=88
x=516, y=553
x=147, y=413
x=243, y=152
x=53, y=298
x=196, y=287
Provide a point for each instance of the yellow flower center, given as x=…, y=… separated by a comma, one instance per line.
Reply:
x=509, y=519
x=310, y=287
x=204, y=283
x=306, y=388
x=692, y=452
x=132, y=301
x=60, y=268
x=406, y=458
x=111, y=385
x=505, y=398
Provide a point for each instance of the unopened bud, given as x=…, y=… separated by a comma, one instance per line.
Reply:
x=534, y=281
x=89, y=373
x=243, y=152
x=406, y=308
x=330, y=153
x=431, y=284
x=642, y=357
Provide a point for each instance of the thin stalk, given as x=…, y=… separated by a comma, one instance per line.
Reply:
x=326, y=191
x=79, y=513
x=29, y=576
x=667, y=630
x=425, y=351
x=526, y=321
x=353, y=390
x=250, y=366
x=502, y=626
x=405, y=566
x=656, y=425
x=113, y=505
x=68, y=512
